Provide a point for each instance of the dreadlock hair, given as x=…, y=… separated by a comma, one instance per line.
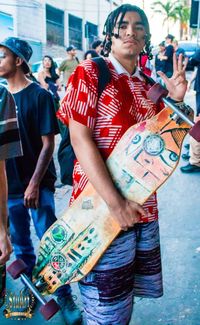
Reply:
x=111, y=23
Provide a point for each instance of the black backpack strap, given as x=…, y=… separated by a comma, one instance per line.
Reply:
x=148, y=79
x=104, y=74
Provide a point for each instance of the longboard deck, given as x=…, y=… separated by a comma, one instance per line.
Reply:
x=141, y=162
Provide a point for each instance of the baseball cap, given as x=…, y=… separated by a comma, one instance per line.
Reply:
x=70, y=48
x=21, y=48
x=170, y=36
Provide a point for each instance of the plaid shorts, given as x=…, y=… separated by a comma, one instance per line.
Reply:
x=130, y=267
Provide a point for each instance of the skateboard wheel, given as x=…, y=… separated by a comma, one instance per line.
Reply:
x=49, y=309
x=16, y=268
x=156, y=93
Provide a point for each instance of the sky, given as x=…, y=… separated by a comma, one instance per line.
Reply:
x=158, y=31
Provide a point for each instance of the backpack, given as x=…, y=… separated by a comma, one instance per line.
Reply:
x=66, y=155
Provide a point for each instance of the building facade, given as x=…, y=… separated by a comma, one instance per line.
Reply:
x=52, y=25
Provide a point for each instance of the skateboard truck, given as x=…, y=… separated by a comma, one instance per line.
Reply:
x=158, y=93
x=48, y=308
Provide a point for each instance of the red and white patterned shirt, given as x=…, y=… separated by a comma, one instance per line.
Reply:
x=122, y=104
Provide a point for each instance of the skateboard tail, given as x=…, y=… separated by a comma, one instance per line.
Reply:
x=158, y=93
x=73, y=261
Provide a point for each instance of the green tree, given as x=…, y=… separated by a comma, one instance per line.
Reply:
x=182, y=11
x=178, y=10
x=167, y=10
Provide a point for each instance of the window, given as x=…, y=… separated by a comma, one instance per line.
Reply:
x=6, y=25
x=75, y=31
x=91, y=32
x=55, y=25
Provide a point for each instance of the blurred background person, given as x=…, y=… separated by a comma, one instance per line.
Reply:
x=49, y=79
x=167, y=56
x=68, y=65
x=90, y=54
x=178, y=50
x=144, y=63
x=159, y=62
x=98, y=46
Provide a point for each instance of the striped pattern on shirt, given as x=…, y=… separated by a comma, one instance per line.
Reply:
x=10, y=145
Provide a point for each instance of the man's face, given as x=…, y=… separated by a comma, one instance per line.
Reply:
x=131, y=38
x=72, y=53
x=168, y=40
x=7, y=63
x=162, y=48
x=99, y=49
x=47, y=63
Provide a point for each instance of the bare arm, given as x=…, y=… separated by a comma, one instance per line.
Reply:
x=194, y=73
x=5, y=245
x=31, y=195
x=58, y=83
x=42, y=81
x=126, y=213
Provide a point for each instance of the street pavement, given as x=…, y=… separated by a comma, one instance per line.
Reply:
x=180, y=244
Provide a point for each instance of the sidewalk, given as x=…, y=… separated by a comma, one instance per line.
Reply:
x=180, y=243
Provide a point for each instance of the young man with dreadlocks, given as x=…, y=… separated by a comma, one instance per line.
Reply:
x=131, y=266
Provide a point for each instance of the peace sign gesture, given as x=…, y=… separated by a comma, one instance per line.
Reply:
x=177, y=84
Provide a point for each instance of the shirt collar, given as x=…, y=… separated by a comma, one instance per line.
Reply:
x=120, y=69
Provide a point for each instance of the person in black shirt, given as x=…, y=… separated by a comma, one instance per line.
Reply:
x=167, y=56
x=159, y=62
x=31, y=177
x=48, y=78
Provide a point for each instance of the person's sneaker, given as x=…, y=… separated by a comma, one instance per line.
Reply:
x=185, y=156
x=70, y=311
x=190, y=169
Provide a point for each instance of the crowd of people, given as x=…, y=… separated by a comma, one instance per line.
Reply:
x=29, y=174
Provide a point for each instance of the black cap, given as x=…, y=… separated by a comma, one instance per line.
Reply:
x=70, y=48
x=21, y=48
x=170, y=36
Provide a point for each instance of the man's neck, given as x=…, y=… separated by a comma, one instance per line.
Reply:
x=47, y=70
x=128, y=63
x=17, y=82
x=70, y=57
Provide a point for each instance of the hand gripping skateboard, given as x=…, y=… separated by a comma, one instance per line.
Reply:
x=141, y=162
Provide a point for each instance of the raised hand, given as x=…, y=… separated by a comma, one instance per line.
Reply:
x=177, y=84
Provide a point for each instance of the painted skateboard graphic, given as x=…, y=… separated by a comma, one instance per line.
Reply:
x=142, y=161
